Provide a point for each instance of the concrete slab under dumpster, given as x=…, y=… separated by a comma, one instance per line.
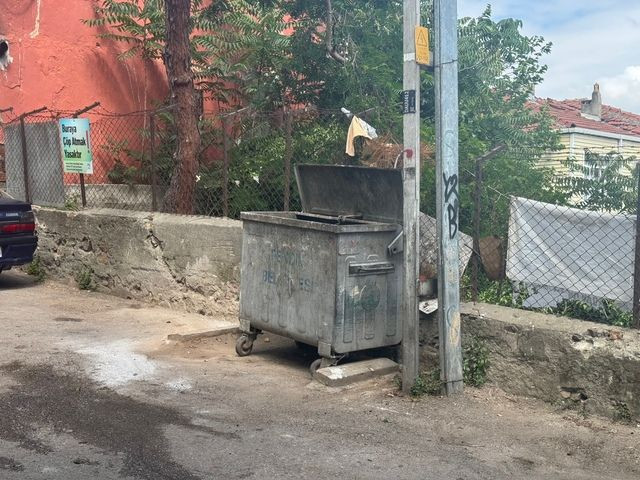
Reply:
x=331, y=275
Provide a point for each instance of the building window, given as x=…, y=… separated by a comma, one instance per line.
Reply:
x=594, y=164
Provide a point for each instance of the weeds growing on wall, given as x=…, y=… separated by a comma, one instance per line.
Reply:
x=499, y=292
x=607, y=312
x=504, y=294
x=84, y=279
x=475, y=361
x=36, y=270
x=427, y=383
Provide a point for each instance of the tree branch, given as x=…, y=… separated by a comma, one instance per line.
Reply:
x=331, y=50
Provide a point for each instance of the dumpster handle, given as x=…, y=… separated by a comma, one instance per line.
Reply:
x=370, y=268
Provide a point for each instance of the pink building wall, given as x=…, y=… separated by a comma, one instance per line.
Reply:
x=61, y=63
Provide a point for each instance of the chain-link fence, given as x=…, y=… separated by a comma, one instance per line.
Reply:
x=245, y=162
x=565, y=246
x=571, y=251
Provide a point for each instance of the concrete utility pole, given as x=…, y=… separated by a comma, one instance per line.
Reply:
x=411, y=189
x=446, y=90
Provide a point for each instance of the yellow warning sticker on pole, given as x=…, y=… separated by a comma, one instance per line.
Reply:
x=422, y=46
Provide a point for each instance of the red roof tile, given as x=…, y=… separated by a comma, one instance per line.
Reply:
x=613, y=120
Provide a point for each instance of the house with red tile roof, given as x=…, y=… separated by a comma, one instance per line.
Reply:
x=589, y=125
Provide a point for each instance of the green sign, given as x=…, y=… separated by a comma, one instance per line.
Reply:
x=76, y=148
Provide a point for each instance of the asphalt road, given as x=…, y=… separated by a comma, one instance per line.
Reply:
x=91, y=388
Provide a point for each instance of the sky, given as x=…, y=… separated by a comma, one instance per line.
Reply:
x=593, y=41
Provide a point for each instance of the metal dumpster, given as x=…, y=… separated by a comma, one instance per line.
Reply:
x=331, y=275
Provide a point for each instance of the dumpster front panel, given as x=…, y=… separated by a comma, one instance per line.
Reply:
x=288, y=281
x=368, y=293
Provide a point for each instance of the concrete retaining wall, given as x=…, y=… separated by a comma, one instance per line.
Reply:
x=187, y=262
x=571, y=363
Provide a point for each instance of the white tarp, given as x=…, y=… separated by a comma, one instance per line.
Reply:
x=569, y=253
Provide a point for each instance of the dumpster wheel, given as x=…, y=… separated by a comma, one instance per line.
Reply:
x=323, y=362
x=244, y=345
x=315, y=365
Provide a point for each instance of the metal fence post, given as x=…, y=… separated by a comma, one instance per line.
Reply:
x=152, y=161
x=477, y=218
x=476, y=231
x=636, y=269
x=288, y=155
x=25, y=156
x=25, y=160
x=83, y=191
x=225, y=168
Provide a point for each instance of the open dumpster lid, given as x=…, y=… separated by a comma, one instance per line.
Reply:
x=373, y=194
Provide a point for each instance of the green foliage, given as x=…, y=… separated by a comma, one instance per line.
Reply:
x=140, y=25
x=397, y=380
x=622, y=413
x=496, y=292
x=368, y=34
x=126, y=162
x=256, y=172
x=503, y=293
x=235, y=44
x=608, y=312
x=427, y=383
x=475, y=358
x=498, y=72
x=134, y=165
x=124, y=174
x=85, y=280
x=36, y=269
x=240, y=52
x=475, y=362
x=72, y=203
x=603, y=182
x=499, y=69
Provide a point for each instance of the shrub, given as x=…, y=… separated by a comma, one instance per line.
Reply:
x=608, y=312
x=427, y=383
x=35, y=269
x=84, y=279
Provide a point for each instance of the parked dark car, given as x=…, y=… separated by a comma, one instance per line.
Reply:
x=18, y=240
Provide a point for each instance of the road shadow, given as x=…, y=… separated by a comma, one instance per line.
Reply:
x=10, y=280
x=283, y=351
x=46, y=398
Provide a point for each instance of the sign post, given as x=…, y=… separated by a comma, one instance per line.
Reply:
x=423, y=55
x=75, y=145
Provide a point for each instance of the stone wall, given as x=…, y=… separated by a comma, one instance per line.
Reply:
x=571, y=363
x=188, y=262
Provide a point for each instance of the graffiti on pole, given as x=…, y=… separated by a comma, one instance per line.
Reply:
x=452, y=202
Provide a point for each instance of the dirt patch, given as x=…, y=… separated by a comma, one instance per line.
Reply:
x=95, y=415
